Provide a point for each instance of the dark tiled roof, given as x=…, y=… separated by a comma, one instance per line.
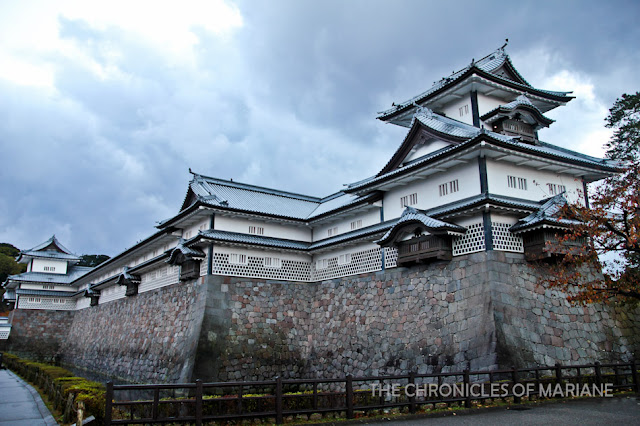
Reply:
x=50, y=293
x=548, y=213
x=487, y=64
x=414, y=215
x=73, y=272
x=38, y=251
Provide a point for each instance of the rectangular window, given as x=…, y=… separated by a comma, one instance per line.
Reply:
x=187, y=234
x=48, y=287
x=517, y=182
x=555, y=189
x=272, y=262
x=409, y=200
x=58, y=301
x=50, y=268
x=356, y=224
x=332, y=231
x=344, y=259
x=238, y=259
x=448, y=188
x=34, y=300
x=257, y=230
x=464, y=110
x=322, y=264
x=522, y=183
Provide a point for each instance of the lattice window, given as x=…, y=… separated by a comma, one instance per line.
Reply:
x=343, y=259
x=238, y=259
x=356, y=224
x=48, y=286
x=361, y=261
x=332, y=231
x=290, y=270
x=390, y=257
x=504, y=240
x=472, y=241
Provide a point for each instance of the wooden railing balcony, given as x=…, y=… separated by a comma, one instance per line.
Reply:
x=424, y=248
x=545, y=244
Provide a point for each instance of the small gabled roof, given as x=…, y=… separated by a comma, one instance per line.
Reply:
x=414, y=217
x=547, y=215
x=437, y=126
x=73, y=273
x=125, y=277
x=490, y=67
x=52, y=249
x=182, y=252
x=523, y=103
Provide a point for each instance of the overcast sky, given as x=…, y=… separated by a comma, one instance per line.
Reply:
x=104, y=107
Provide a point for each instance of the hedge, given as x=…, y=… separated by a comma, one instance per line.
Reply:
x=61, y=387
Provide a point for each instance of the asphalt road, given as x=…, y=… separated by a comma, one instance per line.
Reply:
x=602, y=411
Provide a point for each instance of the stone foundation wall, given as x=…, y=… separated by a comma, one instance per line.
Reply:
x=538, y=326
x=150, y=337
x=482, y=311
x=426, y=318
x=38, y=334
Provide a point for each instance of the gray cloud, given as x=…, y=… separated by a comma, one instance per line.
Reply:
x=288, y=100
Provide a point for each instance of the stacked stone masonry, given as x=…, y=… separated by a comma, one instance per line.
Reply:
x=482, y=310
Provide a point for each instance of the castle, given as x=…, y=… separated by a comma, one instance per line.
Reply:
x=422, y=266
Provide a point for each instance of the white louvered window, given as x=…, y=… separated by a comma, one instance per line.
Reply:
x=448, y=188
x=59, y=301
x=517, y=182
x=34, y=300
x=48, y=287
x=464, y=110
x=272, y=262
x=409, y=200
x=49, y=268
x=356, y=224
x=555, y=189
x=256, y=230
x=322, y=264
x=332, y=231
x=238, y=259
x=343, y=259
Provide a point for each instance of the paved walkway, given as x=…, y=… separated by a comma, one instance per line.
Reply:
x=20, y=404
x=601, y=411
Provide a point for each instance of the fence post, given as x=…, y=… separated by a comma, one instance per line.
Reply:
x=514, y=378
x=349, y=396
x=109, y=401
x=634, y=376
x=558, y=373
x=198, y=402
x=412, y=398
x=156, y=403
x=467, y=388
x=279, y=416
x=596, y=367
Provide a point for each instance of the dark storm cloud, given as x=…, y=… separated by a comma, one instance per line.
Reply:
x=288, y=100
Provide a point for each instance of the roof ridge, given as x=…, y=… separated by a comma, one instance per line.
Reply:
x=257, y=188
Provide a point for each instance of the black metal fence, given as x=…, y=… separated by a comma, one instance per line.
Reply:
x=280, y=398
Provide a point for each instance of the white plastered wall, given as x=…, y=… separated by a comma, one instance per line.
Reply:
x=537, y=180
x=488, y=103
x=30, y=286
x=271, y=229
x=428, y=193
x=452, y=110
x=426, y=148
x=60, y=266
x=368, y=218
